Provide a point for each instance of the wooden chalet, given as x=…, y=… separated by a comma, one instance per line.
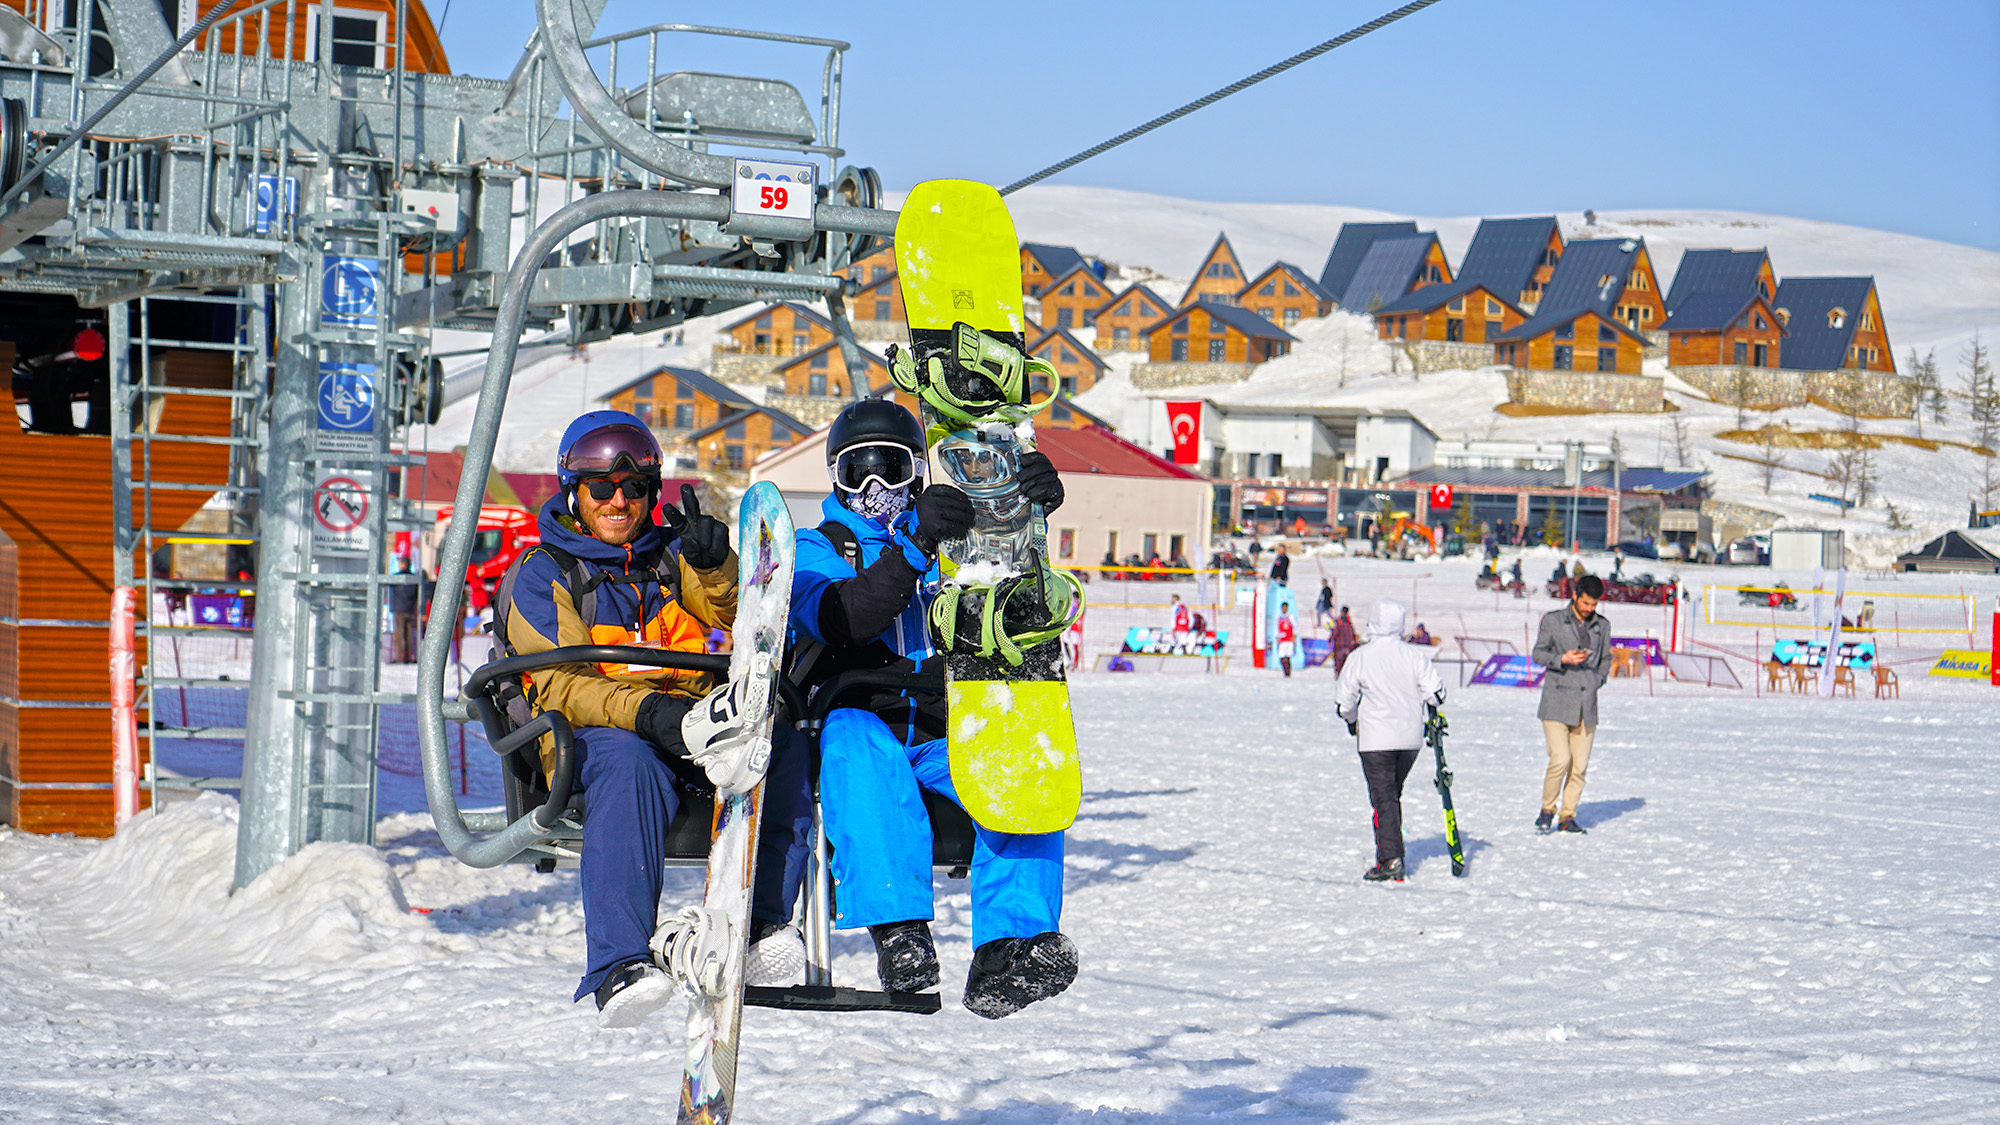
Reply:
x=1514, y=258
x=1066, y=415
x=1122, y=321
x=1076, y=366
x=1613, y=276
x=1072, y=300
x=1042, y=264
x=1833, y=323
x=1463, y=312
x=1285, y=295
x=822, y=373
x=879, y=300
x=1393, y=267
x=1218, y=278
x=786, y=328
x=675, y=401
x=1576, y=339
x=730, y=444
x=1350, y=246
x=876, y=266
x=1740, y=328
x=1213, y=333
x=364, y=33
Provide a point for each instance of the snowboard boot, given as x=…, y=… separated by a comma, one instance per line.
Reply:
x=1569, y=824
x=905, y=959
x=1545, y=823
x=721, y=734
x=1389, y=870
x=631, y=993
x=693, y=946
x=777, y=955
x=1011, y=973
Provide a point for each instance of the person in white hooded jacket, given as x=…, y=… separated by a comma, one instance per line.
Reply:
x=1382, y=694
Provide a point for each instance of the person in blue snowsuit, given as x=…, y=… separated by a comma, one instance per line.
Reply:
x=647, y=743
x=862, y=588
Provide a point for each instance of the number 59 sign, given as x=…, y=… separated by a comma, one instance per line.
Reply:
x=772, y=187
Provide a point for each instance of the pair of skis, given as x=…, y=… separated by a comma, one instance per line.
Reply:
x=1435, y=727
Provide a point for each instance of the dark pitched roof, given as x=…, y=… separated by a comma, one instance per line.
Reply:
x=1221, y=243
x=868, y=358
x=1082, y=267
x=1708, y=312
x=1312, y=287
x=1165, y=306
x=1953, y=547
x=1505, y=252
x=1428, y=297
x=793, y=424
x=1386, y=271
x=1350, y=246
x=1058, y=260
x=792, y=305
x=1714, y=271
x=1812, y=343
x=1241, y=319
x=1579, y=278
x=719, y=391
x=1073, y=342
x=1545, y=321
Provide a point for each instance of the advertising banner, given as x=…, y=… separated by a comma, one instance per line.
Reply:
x=1648, y=645
x=1964, y=663
x=1509, y=671
x=1812, y=654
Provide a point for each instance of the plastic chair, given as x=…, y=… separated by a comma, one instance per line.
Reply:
x=1885, y=684
x=1774, y=676
x=1843, y=677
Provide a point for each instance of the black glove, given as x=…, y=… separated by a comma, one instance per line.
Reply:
x=943, y=512
x=704, y=539
x=1354, y=728
x=1039, y=482
x=659, y=722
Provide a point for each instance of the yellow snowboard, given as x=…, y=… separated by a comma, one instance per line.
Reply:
x=957, y=258
x=1013, y=754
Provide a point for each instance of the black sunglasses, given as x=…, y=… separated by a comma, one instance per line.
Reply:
x=602, y=488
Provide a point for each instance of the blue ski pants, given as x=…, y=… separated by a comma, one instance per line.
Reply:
x=630, y=797
x=871, y=802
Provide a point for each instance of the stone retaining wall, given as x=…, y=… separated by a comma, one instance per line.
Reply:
x=813, y=410
x=1587, y=391
x=883, y=331
x=743, y=369
x=1870, y=394
x=1157, y=376
x=1427, y=356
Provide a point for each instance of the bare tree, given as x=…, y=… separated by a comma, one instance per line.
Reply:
x=1740, y=385
x=1774, y=457
x=1985, y=410
x=1683, y=436
x=1930, y=395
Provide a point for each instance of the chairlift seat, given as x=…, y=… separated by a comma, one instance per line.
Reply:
x=728, y=105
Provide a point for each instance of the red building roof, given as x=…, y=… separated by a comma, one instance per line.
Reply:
x=1094, y=449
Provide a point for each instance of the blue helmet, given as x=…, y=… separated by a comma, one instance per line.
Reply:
x=605, y=441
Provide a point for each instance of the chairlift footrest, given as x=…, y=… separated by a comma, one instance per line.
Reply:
x=827, y=998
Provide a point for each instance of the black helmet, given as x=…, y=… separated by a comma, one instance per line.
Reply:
x=874, y=419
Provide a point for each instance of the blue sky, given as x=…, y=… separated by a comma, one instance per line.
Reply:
x=1877, y=115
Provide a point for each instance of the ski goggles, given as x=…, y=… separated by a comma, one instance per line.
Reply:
x=885, y=462
x=603, y=488
x=607, y=449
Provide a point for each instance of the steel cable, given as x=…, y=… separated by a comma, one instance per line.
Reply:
x=1242, y=84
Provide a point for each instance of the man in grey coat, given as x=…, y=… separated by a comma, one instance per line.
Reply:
x=1574, y=644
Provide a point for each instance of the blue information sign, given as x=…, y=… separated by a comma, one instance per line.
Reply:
x=350, y=291
x=1509, y=670
x=347, y=397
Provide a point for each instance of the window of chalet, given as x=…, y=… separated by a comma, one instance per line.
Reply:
x=1181, y=326
x=1607, y=279
x=1763, y=290
x=1067, y=355
x=1492, y=329
x=683, y=417
x=1607, y=359
x=1218, y=350
x=1068, y=385
x=1454, y=329
x=1638, y=280
x=1867, y=321
x=1757, y=319
x=1607, y=334
x=1268, y=314
x=1562, y=360
x=1742, y=355
x=1566, y=331
x=1492, y=307
x=1836, y=318
x=1784, y=316
x=1179, y=352
x=1063, y=318
x=1068, y=290
x=1270, y=289
x=682, y=390
x=732, y=456
x=1759, y=354
x=1291, y=317
x=1216, y=327
x=1121, y=336
x=764, y=321
x=1457, y=305
x=1291, y=290
x=735, y=430
x=882, y=310
x=1123, y=310
x=357, y=39
x=1549, y=257
x=879, y=273
x=816, y=383
x=1146, y=308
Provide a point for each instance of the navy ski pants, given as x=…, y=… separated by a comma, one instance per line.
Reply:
x=630, y=797
x=870, y=786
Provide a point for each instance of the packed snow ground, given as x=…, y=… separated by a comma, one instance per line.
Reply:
x=1786, y=909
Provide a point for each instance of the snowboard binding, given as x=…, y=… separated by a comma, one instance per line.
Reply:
x=1002, y=621
x=969, y=376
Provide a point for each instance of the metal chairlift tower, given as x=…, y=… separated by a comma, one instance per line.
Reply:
x=336, y=213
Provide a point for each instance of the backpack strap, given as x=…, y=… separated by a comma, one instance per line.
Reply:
x=805, y=653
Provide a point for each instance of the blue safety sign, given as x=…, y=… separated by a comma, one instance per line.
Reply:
x=347, y=397
x=350, y=291
x=266, y=211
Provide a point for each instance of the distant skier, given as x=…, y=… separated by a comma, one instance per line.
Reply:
x=1381, y=694
x=1574, y=644
x=863, y=589
x=1343, y=640
x=1323, y=608
x=1288, y=637
x=1281, y=567
x=1180, y=625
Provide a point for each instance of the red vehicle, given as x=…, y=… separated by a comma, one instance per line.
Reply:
x=504, y=533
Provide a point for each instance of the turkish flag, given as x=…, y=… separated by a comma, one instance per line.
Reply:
x=1184, y=419
x=1440, y=496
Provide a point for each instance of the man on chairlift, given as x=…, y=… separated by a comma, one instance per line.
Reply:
x=607, y=574
x=861, y=594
